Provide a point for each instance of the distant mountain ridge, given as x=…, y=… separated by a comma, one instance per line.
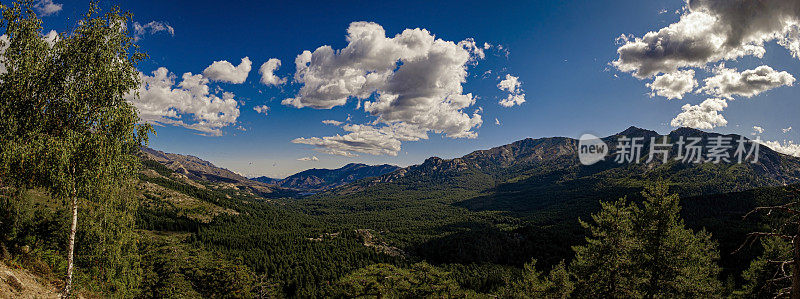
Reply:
x=324, y=179
x=539, y=161
x=311, y=180
x=554, y=160
x=198, y=169
x=266, y=180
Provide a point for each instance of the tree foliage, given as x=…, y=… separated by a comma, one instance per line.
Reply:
x=383, y=280
x=533, y=284
x=605, y=265
x=775, y=272
x=767, y=274
x=645, y=251
x=66, y=128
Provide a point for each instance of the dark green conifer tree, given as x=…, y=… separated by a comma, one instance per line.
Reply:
x=645, y=251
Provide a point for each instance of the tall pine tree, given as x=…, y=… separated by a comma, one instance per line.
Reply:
x=673, y=261
x=645, y=251
x=604, y=267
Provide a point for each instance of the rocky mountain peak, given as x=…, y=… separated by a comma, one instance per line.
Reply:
x=634, y=131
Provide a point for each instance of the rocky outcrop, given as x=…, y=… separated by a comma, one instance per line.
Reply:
x=191, y=168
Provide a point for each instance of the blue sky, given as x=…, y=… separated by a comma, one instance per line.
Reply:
x=561, y=51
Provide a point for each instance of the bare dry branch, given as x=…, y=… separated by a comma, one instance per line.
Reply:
x=751, y=237
x=779, y=279
x=785, y=208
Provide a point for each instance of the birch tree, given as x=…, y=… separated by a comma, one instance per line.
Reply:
x=64, y=125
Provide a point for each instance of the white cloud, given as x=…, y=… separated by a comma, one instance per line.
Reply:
x=470, y=45
x=412, y=81
x=267, y=72
x=512, y=85
x=332, y=122
x=623, y=39
x=225, y=71
x=728, y=82
x=51, y=38
x=710, y=31
x=366, y=139
x=512, y=99
x=263, y=109
x=47, y=7
x=153, y=27
x=757, y=130
x=502, y=50
x=673, y=85
x=787, y=147
x=786, y=130
x=703, y=116
x=312, y=158
x=791, y=40
x=159, y=101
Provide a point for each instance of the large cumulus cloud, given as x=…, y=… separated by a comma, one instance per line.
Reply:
x=728, y=82
x=411, y=82
x=710, y=31
x=189, y=103
x=713, y=32
x=673, y=85
x=224, y=71
x=703, y=116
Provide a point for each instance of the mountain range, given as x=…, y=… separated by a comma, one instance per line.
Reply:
x=537, y=175
x=540, y=161
x=546, y=157
x=197, y=169
x=312, y=180
x=307, y=181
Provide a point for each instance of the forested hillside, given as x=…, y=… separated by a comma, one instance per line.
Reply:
x=427, y=220
x=315, y=180
x=474, y=224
